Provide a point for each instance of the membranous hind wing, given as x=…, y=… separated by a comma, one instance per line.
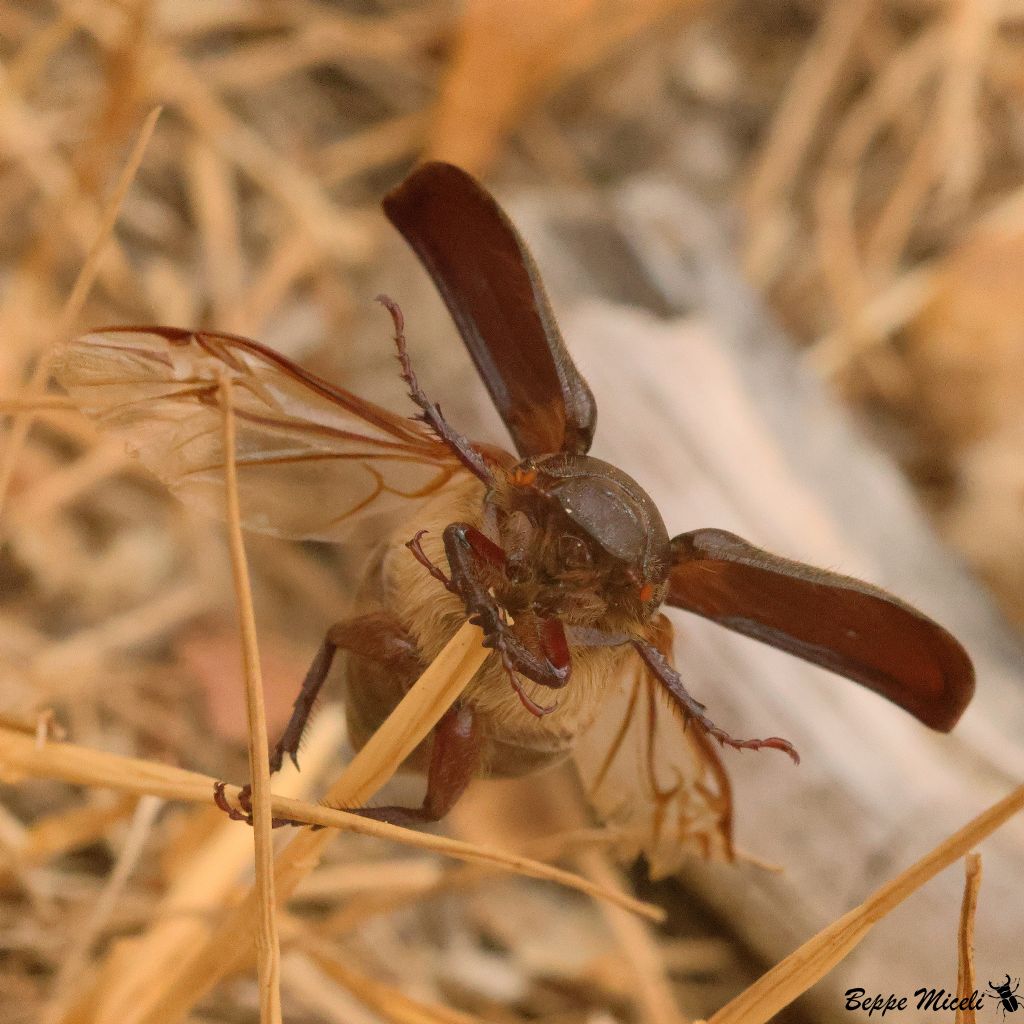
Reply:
x=313, y=459
x=655, y=781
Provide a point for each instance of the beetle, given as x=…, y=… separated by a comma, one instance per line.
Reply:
x=561, y=558
x=1007, y=996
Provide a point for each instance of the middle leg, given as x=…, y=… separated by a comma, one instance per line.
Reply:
x=378, y=637
x=454, y=760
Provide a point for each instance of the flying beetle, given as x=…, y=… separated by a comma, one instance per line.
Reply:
x=561, y=558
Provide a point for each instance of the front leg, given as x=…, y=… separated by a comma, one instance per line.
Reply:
x=472, y=557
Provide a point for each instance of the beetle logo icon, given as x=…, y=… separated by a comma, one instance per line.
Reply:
x=1007, y=995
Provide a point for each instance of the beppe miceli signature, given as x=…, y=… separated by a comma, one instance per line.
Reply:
x=937, y=999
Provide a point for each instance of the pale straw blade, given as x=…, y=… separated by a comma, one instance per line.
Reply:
x=268, y=948
x=79, y=292
x=965, y=977
x=815, y=958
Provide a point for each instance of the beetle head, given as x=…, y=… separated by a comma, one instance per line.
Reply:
x=591, y=530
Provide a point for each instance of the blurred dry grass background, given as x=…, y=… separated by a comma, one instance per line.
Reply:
x=872, y=151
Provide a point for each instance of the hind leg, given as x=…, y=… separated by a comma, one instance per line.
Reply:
x=454, y=760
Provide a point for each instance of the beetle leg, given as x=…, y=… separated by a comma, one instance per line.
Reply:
x=416, y=547
x=377, y=636
x=489, y=523
x=587, y=636
x=535, y=709
x=460, y=446
x=454, y=759
x=470, y=555
x=555, y=646
x=221, y=800
x=245, y=802
x=556, y=667
x=693, y=709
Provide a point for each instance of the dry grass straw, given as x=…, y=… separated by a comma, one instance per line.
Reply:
x=76, y=299
x=868, y=202
x=637, y=942
x=204, y=881
x=965, y=977
x=227, y=946
x=805, y=966
x=268, y=947
x=796, y=120
x=21, y=757
x=524, y=52
x=76, y=960
x=654, y=995
x=801, y=128
x=383, y=999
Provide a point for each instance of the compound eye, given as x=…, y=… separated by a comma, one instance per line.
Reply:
x=573, y=553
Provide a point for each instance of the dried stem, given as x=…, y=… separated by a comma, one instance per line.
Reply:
x=79, y=292
x=84, y=767
x=76, y=959
x=268, y=949
x=653, y=991
x=777, y=167
x=192, y=971
x=794, y=975
x=204, y=881
x=383, y=999
x=965, y=981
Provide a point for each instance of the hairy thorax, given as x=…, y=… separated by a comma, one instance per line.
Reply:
x=516, y=740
